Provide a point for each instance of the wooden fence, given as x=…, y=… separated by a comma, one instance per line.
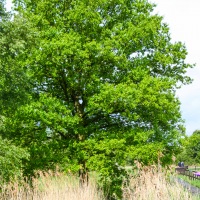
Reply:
x=184, y=171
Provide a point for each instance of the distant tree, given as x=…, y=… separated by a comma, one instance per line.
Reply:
x=191, y=149
x=104, y=76
x=14, y=83
x=2, y=9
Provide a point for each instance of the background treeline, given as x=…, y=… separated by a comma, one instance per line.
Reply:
x=190, y=152
x=88, y=86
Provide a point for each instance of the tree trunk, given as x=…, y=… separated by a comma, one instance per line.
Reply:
x=83, y=174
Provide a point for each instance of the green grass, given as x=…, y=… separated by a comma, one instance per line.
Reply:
x=195, y=169
x=195, y=183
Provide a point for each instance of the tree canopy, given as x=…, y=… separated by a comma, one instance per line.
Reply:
x=99, y=79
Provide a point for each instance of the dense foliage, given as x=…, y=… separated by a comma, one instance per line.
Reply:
x=11, y=161
x=191, y=149
x=90, y=85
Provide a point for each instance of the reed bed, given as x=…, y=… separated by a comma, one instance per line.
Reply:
x=51, y=186
x=146, y=183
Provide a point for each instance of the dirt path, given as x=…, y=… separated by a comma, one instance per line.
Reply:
x=194, y=190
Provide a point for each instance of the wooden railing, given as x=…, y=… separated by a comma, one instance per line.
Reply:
x=184, y=171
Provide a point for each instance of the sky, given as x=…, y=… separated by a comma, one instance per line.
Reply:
x=183, y=16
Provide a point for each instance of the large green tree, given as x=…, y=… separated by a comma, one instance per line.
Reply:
x=104, y=75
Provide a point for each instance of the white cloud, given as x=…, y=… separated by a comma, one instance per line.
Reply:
x=182, y=16
x=8, y=5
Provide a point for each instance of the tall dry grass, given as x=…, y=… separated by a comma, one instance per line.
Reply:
x=149, y=183
x=153, y=183
x=51, y=186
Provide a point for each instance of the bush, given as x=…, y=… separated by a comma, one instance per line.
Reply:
x=11, y=160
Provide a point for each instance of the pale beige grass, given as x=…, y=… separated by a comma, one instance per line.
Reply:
x=51, y=186
x=153, y=183
x=148, y=183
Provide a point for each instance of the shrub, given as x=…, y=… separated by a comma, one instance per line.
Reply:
x=11, y=161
